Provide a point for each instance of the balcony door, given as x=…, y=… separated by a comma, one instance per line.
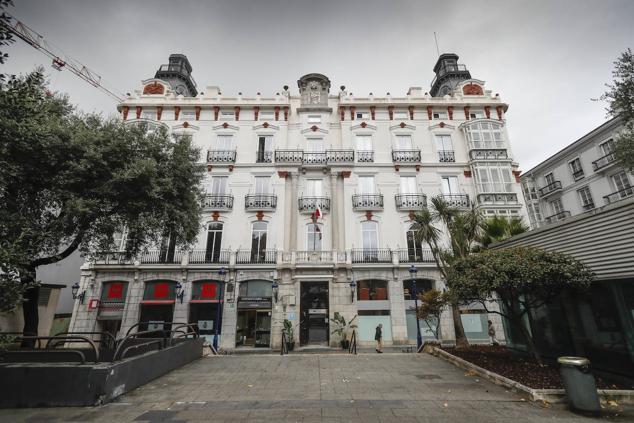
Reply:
x=258, y=241
x=223, y=142
x=404, y=142
x=314, y=188
x=262, y=185
x=214, y=241
x=265, y=148
x=408, y=185
x=366, y=184
x=218, y=185
x=449, y=185
x=370, y=240
x=414, y=249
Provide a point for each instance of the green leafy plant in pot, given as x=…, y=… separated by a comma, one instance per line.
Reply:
x=341, y=328
x=288, y=331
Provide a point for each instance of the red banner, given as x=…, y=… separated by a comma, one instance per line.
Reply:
x=115, y=291
x=208, y=291
x=161, y=290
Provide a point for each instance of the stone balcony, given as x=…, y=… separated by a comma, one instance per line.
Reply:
x=557, y=216
x=619, y=195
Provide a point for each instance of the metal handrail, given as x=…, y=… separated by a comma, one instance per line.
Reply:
x=284, y=349
x=135, y=335
x=112, y=343
x=82, y=356
x=68, y=338
x=352, y=348
x=136, y=325
x=133, y=347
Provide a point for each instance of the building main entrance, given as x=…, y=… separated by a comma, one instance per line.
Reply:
x=314, y=327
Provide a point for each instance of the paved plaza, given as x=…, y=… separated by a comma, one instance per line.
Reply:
x=313, y=388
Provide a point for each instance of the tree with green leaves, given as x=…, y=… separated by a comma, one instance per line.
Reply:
x=432, y=303
x=520, y=279
x=620, y=98
x=497, y=228
x=463, y=230
x=71, y=181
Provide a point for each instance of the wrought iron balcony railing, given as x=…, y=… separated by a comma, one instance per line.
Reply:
x=406, y=156
x=263, y=156
x=557, y=216
x=578, y=174
x=114, y=257
x=255, y=256
x=209, y=256
x=367, y=201
x=221, y=156
x=218, y=202
x=603, y=162
x=619, y=195
x=456, y=200
x=550, y=188
x=162, y=256
x=500, y=198
x=415, y=256
x=376, y=255
x=340, y=156
x=587, y=206
x=365, y=156
x=446, y=156
x=260, y=201
x=314, y=158
x=488, y=154
x=410, y=201
x=310, y=204
x=288, y=156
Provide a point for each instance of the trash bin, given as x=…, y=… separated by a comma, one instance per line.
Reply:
x=581, y=389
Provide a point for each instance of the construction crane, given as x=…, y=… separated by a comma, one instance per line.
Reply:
x=60, y=60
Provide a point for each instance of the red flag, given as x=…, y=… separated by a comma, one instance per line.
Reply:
x=318, y=213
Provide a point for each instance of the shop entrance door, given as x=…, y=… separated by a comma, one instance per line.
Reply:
x=154, y=316
x=314, y=327
x=254, y=328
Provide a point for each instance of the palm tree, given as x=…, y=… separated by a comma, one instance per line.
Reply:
x=463, y=228
x=498, y=228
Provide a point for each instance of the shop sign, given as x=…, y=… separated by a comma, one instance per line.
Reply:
x=254, y=302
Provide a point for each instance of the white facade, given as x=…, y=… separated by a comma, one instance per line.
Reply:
x=581, y=178
x=367, y=163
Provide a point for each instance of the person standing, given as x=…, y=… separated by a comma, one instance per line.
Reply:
x=491, y=331
x=378, y=337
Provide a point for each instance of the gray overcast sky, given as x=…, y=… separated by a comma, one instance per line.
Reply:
x=547, y=59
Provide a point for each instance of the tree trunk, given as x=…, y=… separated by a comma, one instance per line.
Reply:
x=30, y=311
x=530, y=345
x=461, y=338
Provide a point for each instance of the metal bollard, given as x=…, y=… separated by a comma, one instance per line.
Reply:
x=581, y=389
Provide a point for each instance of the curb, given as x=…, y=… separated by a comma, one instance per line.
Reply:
x=549, y=395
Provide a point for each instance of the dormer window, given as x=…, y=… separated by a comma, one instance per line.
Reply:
x=440, y=115
x=362, y=115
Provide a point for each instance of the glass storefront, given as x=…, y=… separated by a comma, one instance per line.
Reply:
x=253, y=326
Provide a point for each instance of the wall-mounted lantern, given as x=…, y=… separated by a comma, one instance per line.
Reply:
x=76, y=294
x=180, y=291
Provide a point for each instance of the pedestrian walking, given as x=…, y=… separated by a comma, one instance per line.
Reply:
x=492, y=334
x=378, y=337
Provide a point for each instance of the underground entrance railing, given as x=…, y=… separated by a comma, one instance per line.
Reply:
x=352, y=349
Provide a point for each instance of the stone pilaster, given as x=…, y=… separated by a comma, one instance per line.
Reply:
x=288, y=209
x=334, y=216
x=397, y=312
x=293, y=212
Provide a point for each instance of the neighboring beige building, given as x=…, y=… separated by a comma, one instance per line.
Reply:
x=366, y=162
x=47, y=305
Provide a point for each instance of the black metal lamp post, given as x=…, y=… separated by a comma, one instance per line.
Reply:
x=419, y=339
x=223, y=275
x=76, y=294
x=275, y=288
x=180, y=292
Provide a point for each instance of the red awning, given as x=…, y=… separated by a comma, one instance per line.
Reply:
x=157, y=302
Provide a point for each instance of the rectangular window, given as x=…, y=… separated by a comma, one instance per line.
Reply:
x=549, y=178
x=258, y=241
x=265, y=149
x=401, y=114
x=556, y=206
x=314, y=118
x=315, y=145
x=262, y=184
x=223, y=142
x=313, y=237
x=404, y=142
x=576, y=169
x=443, y=143
x=362, y=115
x=313, y=188
x=366, y=184
x=227, y=115
x=214, y=241
x=218, y=185
x=266, y=115
x=476, y=115
x=622, y=184
x=440, y=115
x=586, y=198
x=449, y=185
x=408, y=185
x=607, y=147
x=364, y=142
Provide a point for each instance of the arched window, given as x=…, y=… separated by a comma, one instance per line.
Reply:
x=313, y=237
x=214, y=242
x=258, y=241
x=372, y=290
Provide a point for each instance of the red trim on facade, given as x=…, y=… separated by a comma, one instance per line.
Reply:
x=159, y=112
x=352, y=110
x=282, y=174
x=125, y=110
x=498, y=109
x=450, y=112
x=402, y=124
x=139, y=109
x=236, y=111
x=216, y=112
x=390, y=111
x=517, y=174
x=411, y=112
x=277, y=113
x=177, y=112
x=185, y=124
x=342, y=113
x=467, y=174
x=256, y=112
x=286, y=113
x=487, y=111
x=430, y=110
x=363, y=124
x=197, y=110
x=215, y=216
x=260, y=215
x=372, y=111
x=466, y=112
x=345, y=173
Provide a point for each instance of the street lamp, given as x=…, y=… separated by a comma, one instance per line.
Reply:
x=76, y=294
x=275, y=288
x=353, y=286
x=419, y=339
x=180, y=292
x=223, y=275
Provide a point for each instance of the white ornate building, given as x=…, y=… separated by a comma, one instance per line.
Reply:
x=366, y=162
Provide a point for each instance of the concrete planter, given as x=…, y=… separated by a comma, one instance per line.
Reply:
x=548, y=395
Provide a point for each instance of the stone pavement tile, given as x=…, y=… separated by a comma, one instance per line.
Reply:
x=212, y=415
x=398, y=419
x=321, y=420
x=267, y=414
x=339, y=412
x=300, y=413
